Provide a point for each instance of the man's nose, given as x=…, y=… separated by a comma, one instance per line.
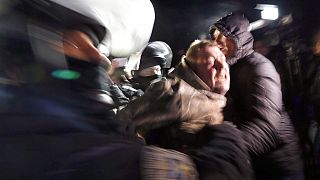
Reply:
x=218, y=65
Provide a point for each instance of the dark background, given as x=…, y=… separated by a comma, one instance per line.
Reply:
x=179, y=22
x=288, y=46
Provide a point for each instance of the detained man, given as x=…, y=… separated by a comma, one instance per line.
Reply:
x=184, y=113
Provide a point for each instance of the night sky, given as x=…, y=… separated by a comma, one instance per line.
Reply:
x=179, y=22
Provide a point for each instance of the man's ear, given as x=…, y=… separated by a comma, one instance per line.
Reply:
x=186, y=60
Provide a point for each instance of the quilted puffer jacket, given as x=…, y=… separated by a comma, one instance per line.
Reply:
x=255, y=98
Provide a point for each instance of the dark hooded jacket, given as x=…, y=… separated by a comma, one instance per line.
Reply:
x=255, y=98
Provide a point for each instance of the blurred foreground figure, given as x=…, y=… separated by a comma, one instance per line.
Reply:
x=184, y=112
x=56, y=119
x=256, y=100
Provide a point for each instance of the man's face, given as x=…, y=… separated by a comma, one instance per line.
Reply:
x=226, y=45
x=210, y=65
x=78, y=45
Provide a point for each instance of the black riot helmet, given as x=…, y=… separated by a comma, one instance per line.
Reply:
x=156, y=53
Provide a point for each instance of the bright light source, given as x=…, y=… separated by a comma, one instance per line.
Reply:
x=269, y=12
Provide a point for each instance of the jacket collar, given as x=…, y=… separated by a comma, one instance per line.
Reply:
x=184, y=72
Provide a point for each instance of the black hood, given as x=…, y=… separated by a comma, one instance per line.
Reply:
x=237, y=27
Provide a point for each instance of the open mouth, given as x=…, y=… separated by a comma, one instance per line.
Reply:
x=221, y=77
